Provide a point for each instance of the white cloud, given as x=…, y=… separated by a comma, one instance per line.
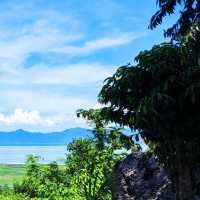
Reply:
x=100, y=43
x=33, y=119
x=77, y=74
x=21, y=117
x=44, y=101
x=39, y=38
x=43, y=37
x=72, y=75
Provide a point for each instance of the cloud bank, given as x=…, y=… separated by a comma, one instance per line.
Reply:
x=54, y=58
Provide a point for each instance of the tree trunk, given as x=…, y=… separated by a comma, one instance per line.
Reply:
x=183, y=181
x=184, y=190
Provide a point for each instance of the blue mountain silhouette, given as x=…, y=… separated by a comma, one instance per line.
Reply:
x=21, y=137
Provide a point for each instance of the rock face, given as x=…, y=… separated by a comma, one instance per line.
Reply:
x=139, y=177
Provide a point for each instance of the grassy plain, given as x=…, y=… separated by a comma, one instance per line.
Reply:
x=10, y=173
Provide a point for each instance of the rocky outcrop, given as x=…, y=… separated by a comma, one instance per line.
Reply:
x=139, y=177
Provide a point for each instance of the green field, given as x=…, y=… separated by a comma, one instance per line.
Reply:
x=10, y=173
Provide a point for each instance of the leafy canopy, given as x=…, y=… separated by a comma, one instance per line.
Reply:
x=188, y=21
x=104, y=135
x=158, y=96
x=90, y=169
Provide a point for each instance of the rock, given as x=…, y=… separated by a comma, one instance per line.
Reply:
x=139, y=177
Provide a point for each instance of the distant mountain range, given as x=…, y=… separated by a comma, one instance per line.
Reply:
x=25, y=138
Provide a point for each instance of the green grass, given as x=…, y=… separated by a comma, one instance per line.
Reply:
x=10, y=173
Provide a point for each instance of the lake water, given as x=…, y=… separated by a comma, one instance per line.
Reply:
x=18, y=154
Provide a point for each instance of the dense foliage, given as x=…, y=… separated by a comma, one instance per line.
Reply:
x=91, y=169
x=160, y=97
x=88, y=170
x=7, y=193
x=85, y=175
x=42, y=181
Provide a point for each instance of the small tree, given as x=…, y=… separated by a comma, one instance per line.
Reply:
x=89, y=169
x=91, y=161
x=44, y=181
x=104, y=135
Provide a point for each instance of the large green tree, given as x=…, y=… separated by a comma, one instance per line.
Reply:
x=160, y=97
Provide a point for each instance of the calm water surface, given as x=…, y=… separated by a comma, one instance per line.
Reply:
x=18, y=154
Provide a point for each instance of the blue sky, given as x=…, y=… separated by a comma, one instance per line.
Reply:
x=54, y=56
